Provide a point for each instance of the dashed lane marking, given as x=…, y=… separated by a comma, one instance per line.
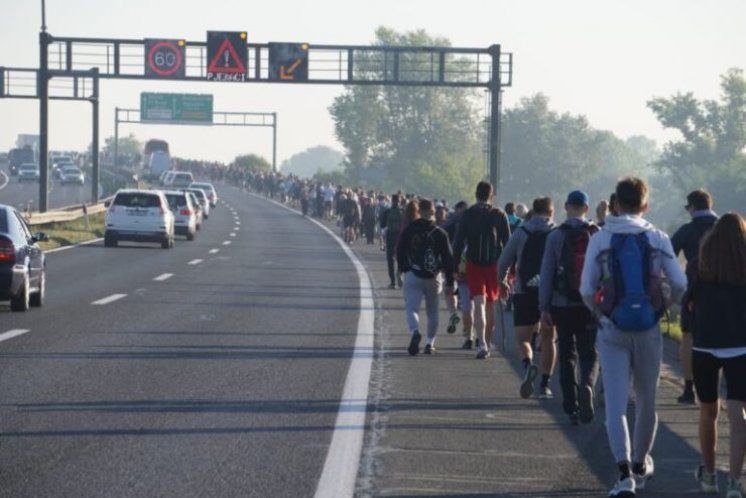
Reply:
x=195, y=262
x=165, y=276
x=226, y=242
x=214, y=251
x=12, y=333
x=109, y=299
x=233, y=234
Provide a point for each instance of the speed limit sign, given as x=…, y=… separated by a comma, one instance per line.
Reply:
x=165, y=58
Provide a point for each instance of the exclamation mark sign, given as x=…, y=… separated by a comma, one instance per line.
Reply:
x=226, y=55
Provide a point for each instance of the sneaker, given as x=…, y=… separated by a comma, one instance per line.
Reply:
x=392, y=286
x=429, y=349
x=483, y=353
x=585, y=404
x=468, y=343
x=414, y=344
x=643, y=472
x=734, y=489
x=399, y=281
x=544, y=393
x=686, y=398
x=623, y=488
x=708, y=482
x=452, y=322
x=527, y=386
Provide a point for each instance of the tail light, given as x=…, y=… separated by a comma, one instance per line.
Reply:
x=7, y=251
x=186, y=212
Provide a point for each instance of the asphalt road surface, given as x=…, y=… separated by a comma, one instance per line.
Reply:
x=21, y=195
x=217, y=369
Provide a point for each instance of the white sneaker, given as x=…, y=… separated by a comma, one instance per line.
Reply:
x=641, y=479
x=734, y=489
x=624, y=488
x=708, y=482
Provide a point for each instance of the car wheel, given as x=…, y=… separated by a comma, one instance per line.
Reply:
x=37, y=298
x=167, y=243
x=190, y=236
x=109, y=240
x=199, y=227
x=20, y=302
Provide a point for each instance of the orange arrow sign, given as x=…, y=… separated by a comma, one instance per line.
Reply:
x=288, y=74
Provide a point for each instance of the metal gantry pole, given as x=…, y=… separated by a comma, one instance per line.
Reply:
x=95, y=175
x=494, y=137
x=274, y=142
x=116, y=135
x=42, y=82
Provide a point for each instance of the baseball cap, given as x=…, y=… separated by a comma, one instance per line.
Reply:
x=578, y=198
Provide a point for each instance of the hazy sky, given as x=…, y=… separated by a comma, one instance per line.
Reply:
x=600, y=58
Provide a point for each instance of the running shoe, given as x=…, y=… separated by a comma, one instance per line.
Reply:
x=544, y=393
x=643, y=472
x=623, y=488
x=686, y=398
x=483, y=353
x=399, y=281
x=392, y=285
x=585, y=404
x=708, y=482
x=414, y=344
x=527, y=386
x=429, y=349
x=452, y=322
x=468, y=344
x=734, y=489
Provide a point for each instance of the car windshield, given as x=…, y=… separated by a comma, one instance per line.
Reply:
x=176, y=201
x=199, y=194
x=70, y=169
x=136, y=199
x=28, y=167
x=205, y=186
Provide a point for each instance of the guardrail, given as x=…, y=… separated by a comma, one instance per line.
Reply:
x=65, y=214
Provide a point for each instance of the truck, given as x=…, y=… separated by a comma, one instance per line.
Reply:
x=18, y=156
x=157, y=157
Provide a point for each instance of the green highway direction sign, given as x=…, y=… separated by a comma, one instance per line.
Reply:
x=185, y=108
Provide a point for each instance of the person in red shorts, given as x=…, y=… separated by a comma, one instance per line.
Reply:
x=482, y=233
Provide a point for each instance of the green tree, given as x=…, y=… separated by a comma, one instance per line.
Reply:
x=413, y=138
x=129, y=151
x=710, y=152
x=309, y=162
x=252, y=162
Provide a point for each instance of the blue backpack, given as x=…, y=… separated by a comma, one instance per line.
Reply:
x=631, y=296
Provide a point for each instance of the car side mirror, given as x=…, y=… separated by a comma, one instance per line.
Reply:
x=41, y=237
x=107, y=203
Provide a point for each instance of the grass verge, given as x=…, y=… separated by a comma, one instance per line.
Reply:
x=71, y=232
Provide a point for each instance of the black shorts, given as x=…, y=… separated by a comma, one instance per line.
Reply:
x=706, y=369
x=526, y=308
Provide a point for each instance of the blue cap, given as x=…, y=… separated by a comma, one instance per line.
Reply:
x=578, y=198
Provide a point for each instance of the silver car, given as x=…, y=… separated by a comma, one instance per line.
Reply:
x=185, y=215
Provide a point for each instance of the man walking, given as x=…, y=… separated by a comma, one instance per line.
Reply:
x=391, y=222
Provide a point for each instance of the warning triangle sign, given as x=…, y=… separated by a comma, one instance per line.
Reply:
x=226, y=60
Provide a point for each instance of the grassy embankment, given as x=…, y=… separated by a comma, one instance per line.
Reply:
x=71, y=232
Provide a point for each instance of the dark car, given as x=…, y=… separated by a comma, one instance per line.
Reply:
x=22, y=263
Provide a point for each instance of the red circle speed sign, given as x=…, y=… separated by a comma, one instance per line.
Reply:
x=165, y=58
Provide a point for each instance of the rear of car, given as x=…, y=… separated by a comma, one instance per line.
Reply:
x=201, y=196
x=71, y=174
x=209, y=189
x=22, y=263
x=139, y=216
x=185, y=215
x=199, y=212
x=28, y=172
x=182, y=179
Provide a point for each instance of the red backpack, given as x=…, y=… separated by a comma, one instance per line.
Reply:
x=572, y=259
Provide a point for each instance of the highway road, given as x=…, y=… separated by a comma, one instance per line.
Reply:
x=20, y=195
x=214, y=369
x=237, y=365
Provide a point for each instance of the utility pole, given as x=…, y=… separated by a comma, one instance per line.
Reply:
x=274, y=142
x=95, y=175
x=43, y=92
x=495, y=107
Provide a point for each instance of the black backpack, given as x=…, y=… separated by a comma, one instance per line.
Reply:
x=481, y=235
x=423, y=256
x=572, y=259
x=529, y=265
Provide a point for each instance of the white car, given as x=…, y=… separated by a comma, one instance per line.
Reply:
x=167, y=178
x=185, y=214
x=181, y=179
x=28, y=172
x=71, y=174
x=209, y=189
x=139, y=216
x=204, y=201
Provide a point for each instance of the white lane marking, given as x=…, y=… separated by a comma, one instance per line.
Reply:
x=214, y=251
x=343, y=458
x=110, y=299
x=195, y=262
x=65, y=248
x=238, y=223
x=236, y=229
x=5, y=183
x=226, y=242
x=12, y=333
x=233, y=234
x=163, y=277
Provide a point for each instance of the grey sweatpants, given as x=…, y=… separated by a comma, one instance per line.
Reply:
x=415, y=288
x=621, y=354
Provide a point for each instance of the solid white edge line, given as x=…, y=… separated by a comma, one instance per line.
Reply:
x=163, y=277
x=109, y=299
x=7, y=180
x=65, y=248
x=195, y=261
x=12, y=333
x=339, y=476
